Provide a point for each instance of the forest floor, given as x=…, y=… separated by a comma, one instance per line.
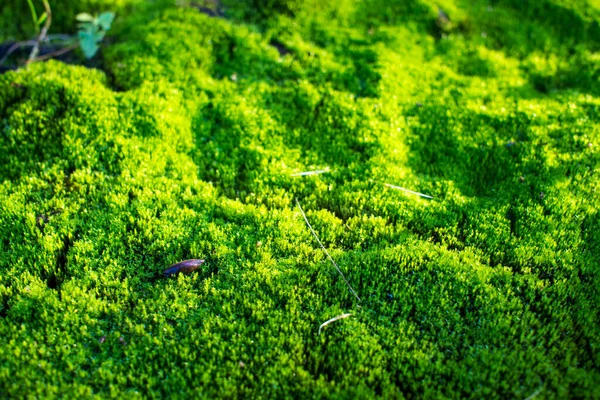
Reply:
x=446, y=154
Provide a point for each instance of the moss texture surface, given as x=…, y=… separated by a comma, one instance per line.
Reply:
x=184, y=145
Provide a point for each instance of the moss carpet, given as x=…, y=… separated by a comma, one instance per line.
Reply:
x=188, y=140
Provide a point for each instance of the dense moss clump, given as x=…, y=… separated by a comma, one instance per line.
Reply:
x=187, y=144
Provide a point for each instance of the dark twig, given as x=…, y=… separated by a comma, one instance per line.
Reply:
x=15, y=47
x=57, y=52
x=27, y=43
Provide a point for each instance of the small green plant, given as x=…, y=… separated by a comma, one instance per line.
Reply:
x=92, y=30
x=41, y=24
x=38, y=21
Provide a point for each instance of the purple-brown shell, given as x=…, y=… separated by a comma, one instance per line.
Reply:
x=186, y=266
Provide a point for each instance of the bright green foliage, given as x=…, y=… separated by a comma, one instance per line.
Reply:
x=38, y=21
x=185, y=146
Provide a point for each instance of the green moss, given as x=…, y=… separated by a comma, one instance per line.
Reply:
x=186, y=143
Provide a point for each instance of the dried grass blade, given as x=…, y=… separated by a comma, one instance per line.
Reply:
x=534, y=394
x=408, y=191
x=333, y=320
x=325, y=251
x=320, y=171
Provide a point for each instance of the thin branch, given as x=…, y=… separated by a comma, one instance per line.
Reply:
x=60, y=36
x=15, y=47
x=320, y=171
x=332, y=320
x=325, y=250
x=408, y=191
x=57, y=52
x=32, y=42
x=42, y=35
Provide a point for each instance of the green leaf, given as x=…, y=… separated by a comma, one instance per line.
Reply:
x=89, y=48
x=98, y=36
x=33, y=15
x=105, y=20
x=88, y=44
x=84, y=17
x=42, y=18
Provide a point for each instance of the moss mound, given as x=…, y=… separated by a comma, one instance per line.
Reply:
x=188, y=144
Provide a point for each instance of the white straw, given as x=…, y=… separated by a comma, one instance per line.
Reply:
x=534, y=394
x=325, y=250
x=332, y=320
x=320, y=171
x=408, y=191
